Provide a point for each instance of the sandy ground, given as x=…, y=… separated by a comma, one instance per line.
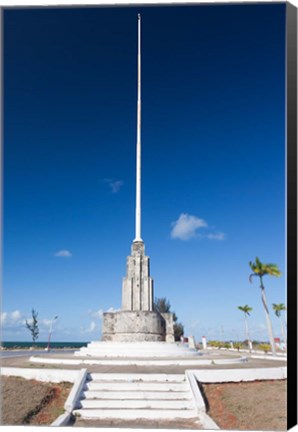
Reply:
x=31, y=402
x=259, y=405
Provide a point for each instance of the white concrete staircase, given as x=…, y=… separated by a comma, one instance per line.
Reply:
x=136, y=396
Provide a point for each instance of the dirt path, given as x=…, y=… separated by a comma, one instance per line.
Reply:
x=259, y=405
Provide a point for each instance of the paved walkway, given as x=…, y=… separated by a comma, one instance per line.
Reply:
x=251, y=363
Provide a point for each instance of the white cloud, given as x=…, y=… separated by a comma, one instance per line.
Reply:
x=92, y=327
x=16, y=315
x=4, y=316
x=97, y=314
x=115, y=185
x=64, y=253
x=112, y=309
x=186, y=226
x=46, y=322
x=217, y=236
x=12, y=319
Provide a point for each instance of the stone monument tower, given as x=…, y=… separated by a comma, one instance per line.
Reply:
x=137, y=320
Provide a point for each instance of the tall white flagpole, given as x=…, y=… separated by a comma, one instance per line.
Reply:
x=138, y=168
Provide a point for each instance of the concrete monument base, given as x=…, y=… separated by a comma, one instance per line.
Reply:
x=135, y=326
x=137, y=350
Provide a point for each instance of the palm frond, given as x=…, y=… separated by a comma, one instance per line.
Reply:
x=246, y=309
x=251, y=276
x=273, y=270
x=262, y=269
x=278, y=307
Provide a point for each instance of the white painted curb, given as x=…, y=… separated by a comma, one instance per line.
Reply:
x=124, y=362
x=45, y=375
x=62, y=420
x=238, y=375
x=197, y=396
x=72, y=400
x=54, y=360
x=269, y=354
x=207, y=421
x=282, y=357
x=199, y=402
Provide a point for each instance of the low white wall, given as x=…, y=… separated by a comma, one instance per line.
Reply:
x=46, y=375
x=121, y=362
x=62, y=420
x=238, y=375
x=199, y=402
x=279, y=355
x=74, y=395
x=197, y=396
x=207, y=422
x=68, y=361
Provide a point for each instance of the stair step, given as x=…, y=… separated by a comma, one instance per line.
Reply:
x=134, y=414
x=125, y=395
x=143, y=386
x=136, y=404
x=137, y=377
x=135, y=349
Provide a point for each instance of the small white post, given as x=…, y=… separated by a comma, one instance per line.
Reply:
x=50, y=333
x=204, y=342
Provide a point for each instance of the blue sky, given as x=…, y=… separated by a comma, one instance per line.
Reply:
x=213, y=163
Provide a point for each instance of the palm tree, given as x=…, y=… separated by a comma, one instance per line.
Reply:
x=260, y=269
x=278, y=308
x=246, y=309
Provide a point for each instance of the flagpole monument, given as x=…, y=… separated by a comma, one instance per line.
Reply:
x=137, y=320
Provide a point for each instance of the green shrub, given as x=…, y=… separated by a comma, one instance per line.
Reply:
x=264, y=347
x=238, y=345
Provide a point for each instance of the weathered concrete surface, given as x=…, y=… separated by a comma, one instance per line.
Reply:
x=169, y=323
x=127, y=326
x=137, y=320
x=137, y=288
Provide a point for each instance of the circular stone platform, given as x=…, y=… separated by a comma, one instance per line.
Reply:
x=136, y=350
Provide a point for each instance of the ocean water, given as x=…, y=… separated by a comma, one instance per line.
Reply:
x=22, y=345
